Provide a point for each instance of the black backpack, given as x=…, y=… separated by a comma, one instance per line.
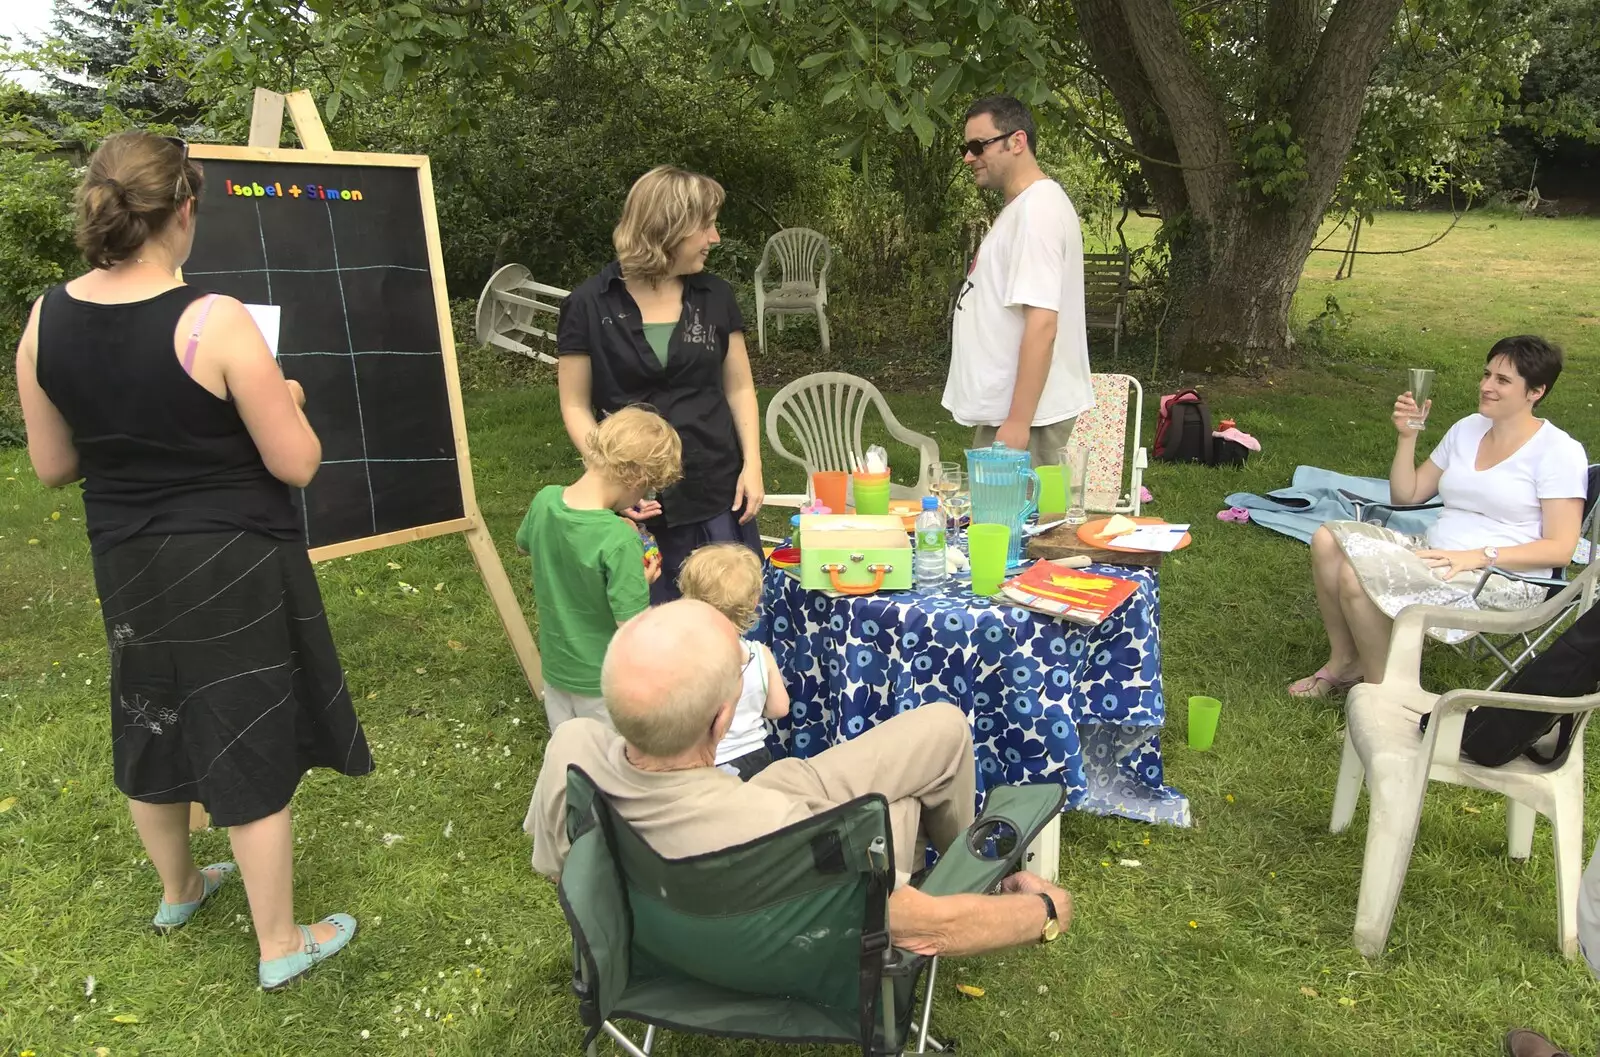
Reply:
x=1569, y=667
x=1184, y=433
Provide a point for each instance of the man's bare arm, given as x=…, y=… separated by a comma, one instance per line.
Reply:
x=958, y=925
x=1033, y=368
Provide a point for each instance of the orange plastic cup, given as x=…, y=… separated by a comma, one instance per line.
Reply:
x=831, y=488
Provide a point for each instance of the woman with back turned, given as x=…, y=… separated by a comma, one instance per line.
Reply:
x=225, y=685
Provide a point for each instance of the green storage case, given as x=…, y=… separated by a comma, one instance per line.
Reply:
x=854, y=554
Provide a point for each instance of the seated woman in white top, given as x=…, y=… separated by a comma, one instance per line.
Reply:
x=1513, y=489
x=727, y=577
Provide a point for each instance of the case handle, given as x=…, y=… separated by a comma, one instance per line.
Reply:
x=878, y=571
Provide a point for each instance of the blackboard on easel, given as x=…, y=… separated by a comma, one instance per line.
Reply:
x=345, y=247
x=342, y=251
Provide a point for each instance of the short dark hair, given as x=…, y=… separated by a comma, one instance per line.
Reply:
x=1537, y=360
x=1010, y=115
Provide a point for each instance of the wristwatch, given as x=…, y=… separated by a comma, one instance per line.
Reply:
x=1052, y=924
x=1493, y=554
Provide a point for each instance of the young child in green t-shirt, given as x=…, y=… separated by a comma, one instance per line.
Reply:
x=590, y=573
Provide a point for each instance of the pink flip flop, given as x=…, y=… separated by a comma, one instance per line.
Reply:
x=1321, y=684
x=1234, y=513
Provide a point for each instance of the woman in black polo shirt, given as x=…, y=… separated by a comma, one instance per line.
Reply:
x=653, y=328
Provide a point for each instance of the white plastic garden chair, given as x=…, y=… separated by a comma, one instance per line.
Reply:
x=1114, y=449
x=824, y=414
x=1384, y=749
x=514, y=309
x=802, y=257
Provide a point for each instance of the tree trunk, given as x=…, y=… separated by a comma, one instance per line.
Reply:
x=1232, y=285
x=1237, y=253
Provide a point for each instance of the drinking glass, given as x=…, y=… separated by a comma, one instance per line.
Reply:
x=958, y=506
x=945, y=480
x=1421, y=389
x=1075, y=478
x=948, y=479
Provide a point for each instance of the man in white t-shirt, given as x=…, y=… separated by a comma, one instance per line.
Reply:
x=1019, y=366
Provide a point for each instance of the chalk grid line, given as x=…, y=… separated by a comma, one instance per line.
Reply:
x=355, y=377
x=314, y=271
x=267, y=270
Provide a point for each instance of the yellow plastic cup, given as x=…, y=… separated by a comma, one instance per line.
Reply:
x=986, y=549
x=1203, y=715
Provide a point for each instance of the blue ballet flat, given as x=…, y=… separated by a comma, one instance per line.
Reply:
x=280, y=971
x=170, y=916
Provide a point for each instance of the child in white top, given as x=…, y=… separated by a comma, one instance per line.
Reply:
x=727, y=576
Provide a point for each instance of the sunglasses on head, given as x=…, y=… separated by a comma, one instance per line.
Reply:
x=976, y=147
x=180, y=190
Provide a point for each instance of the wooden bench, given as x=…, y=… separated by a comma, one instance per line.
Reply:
x=1105, y=293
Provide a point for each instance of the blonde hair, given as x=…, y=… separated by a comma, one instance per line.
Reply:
x=726, y=576
x=665, y=206
x=135, y=184
x=636, y=448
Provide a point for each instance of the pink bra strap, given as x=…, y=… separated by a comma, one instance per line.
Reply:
x=194, y=335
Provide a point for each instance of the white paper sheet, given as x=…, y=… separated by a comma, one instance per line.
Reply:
x=269, y=319
x=1158, y=539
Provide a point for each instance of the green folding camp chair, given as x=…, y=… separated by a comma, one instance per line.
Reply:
x=784, y=938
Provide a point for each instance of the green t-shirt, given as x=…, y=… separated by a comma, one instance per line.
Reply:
x=588, y=577
x=659, y=335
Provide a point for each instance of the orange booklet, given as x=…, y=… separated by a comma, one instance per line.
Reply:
x=1072, y=594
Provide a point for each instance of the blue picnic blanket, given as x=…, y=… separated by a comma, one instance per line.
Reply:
x=1313, y=498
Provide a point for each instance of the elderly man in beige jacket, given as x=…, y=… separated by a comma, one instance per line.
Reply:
x=670, y=681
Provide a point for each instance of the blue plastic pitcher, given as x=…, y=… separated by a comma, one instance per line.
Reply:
x=1005, y=490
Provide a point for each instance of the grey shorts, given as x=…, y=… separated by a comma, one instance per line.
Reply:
x=1044, y=442
x=561, y=705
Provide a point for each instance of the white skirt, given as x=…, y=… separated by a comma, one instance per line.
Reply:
x=1394, y=577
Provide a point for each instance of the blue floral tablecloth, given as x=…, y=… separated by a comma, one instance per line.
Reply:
x=1049, y=700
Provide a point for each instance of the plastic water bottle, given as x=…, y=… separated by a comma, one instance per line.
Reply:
x=928, y=565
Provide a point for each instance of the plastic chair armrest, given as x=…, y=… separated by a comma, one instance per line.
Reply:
x=1027, y=808
x=1461, y=700
x=1413, y=622
x=927, y=447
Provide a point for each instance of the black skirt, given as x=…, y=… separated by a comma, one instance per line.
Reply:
x=225, y=684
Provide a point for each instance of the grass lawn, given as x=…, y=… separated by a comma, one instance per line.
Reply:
x=1230, y=938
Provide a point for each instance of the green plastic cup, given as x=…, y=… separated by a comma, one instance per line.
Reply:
x=986, y=549
x=1052, y=491
x=1203, y=715
x=872, y=493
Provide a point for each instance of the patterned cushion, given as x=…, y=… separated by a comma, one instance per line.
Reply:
x=1105, y=429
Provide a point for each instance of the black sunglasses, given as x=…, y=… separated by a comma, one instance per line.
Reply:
x=976, y=147
x=180, y=190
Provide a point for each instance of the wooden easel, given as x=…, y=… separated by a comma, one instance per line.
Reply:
x=266, y=130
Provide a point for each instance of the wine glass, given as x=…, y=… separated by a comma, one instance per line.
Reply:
x=958, y=506
x=948, y=480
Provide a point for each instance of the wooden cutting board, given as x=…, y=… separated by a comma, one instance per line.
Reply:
x=1062, y=542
